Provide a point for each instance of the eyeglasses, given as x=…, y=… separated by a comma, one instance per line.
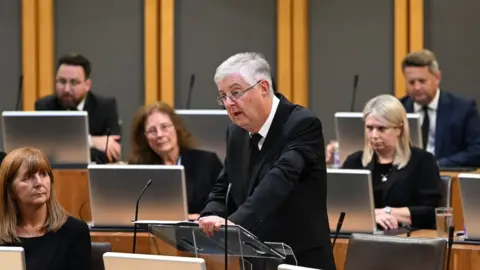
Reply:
x=235, y=94
x=153, y=131
x=63, y=82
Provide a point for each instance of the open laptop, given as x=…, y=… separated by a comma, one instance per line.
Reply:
x=350, y=132
x=128, y=261
x=12, y=258
x=115, y=189
x=470, y=190
x=61, y=135
x=208, y=127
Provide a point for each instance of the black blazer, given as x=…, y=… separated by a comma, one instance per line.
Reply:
x=284, y=200
x=416, y=186
x=102, y=116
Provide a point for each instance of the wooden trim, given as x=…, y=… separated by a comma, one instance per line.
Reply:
x=45, y=48
x=300, y=52
x=167, y=68
x=29, y=54
x=151, y=50
x=400, y=46
x=415, y=25
x=284, y=48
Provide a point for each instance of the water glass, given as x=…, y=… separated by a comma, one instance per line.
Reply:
x=444, y=216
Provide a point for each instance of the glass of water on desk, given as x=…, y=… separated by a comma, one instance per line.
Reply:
x=444, y=216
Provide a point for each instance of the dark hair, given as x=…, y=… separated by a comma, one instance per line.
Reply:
x=74, y=59
x=140, y=151
x=423, y=58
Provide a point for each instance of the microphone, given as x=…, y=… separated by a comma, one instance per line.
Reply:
x=354, y=92
x=190, y=90
x=339, y=226
x=19, y=94
x=136, y=215
x=451, y=230
x=226, y=232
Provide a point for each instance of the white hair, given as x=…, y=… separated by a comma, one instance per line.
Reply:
x=251, y=66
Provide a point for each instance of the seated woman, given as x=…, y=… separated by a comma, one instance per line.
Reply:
x=31, y=217
x=405, y=179
x=160, y=137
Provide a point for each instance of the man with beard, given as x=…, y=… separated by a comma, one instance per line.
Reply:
x=72, y=92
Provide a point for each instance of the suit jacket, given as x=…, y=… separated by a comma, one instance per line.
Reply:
x=102, y=116
x=283, y=199
x=457, y=131
x=416, y=186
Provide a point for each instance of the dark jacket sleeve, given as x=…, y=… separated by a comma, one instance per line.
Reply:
x=303, y=146
x=80, y=248
x=111, y=116
x=427, y=191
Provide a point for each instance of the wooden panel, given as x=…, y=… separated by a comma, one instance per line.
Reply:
x=415, y=25
x=73, y=192
x=152, y=56
x=400, y=46
x=284, y=48
x=300, y=52
x=167, y=28
x=29, y=54
x=45, y=48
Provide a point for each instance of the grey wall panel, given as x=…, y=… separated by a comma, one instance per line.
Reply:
x=348, y=38
x=209, y=31
x=110, y=34
x=452, y=32
x=10, y=54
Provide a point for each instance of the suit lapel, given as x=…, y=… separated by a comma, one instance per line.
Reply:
x=443, y=116
x=89, y=102
x=409, y=105
x=274, y=133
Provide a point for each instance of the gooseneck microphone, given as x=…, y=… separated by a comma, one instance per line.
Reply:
x=190, y=90
x=226, y=231
x=136, y=215
x=354, y=92
x=19, y=94
x=451, y=231
x=339, y=227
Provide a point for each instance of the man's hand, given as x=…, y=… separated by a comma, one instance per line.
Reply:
x=210, y=224
x=329, y=149
x=114, y=148
x=387, y=221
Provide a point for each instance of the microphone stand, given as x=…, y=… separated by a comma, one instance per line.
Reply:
x=136, y=215
x=226, y=225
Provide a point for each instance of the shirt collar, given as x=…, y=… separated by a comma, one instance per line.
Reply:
x=81, y=105
x=268, y=123
x=433, y=105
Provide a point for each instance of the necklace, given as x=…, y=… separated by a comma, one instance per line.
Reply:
x=385, y=176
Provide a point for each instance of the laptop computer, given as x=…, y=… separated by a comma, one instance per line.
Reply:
x=350, y=132
x=208, y=127
x=115, y=189
x=61, y=135
x=128, y=261
x=12, y=258
x=470, y=190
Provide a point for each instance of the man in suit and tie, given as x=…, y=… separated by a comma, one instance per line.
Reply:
x=450, y=123
x=72, y=92
x=274, y=167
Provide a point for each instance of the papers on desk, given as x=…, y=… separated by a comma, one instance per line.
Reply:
x=166, y=222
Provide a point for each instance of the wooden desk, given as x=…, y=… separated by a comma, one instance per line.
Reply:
x=73, y=193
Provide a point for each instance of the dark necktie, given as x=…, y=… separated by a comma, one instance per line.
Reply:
x=254, y=151
x=425, y=127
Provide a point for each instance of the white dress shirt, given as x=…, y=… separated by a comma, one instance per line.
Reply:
x=432, y=114
x=268, y=123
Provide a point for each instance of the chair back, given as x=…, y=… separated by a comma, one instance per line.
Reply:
x=379, y=252
x=96, y=259
x=446, y=191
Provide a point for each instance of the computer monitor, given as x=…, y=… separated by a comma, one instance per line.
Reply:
x=350, y=131
x=128, y=261
x=209, y=129
x=351, y=191
x=470, y=190
x=114, y=190
x=12, y=258
x=61, y=135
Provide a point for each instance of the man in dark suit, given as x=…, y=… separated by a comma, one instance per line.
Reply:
x=451, y=124
x=275, y=165
x=72, y=92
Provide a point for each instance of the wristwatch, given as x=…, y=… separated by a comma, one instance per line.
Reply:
x=388, y=210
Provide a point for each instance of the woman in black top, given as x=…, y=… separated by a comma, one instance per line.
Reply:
x=31, y=217
x=405, y=179
x=160, y=137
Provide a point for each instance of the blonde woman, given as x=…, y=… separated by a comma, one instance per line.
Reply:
x=405, y=179
x=31, y=217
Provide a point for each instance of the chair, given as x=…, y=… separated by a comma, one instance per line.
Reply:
x=380, y=252
x=446, y=190
x=96, y=259
x=293, y=267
